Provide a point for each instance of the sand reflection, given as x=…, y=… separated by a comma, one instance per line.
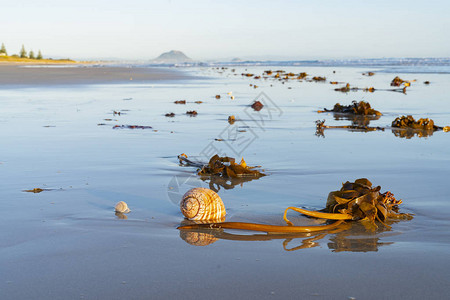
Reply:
x=360, y=123
x=216, y=182
x=409, y=133
x=349, y=237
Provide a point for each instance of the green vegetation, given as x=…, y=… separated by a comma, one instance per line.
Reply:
x=3, y=50
x=23, y=57
x=23, y=52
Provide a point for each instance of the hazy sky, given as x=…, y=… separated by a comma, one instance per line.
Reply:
x=142, y=29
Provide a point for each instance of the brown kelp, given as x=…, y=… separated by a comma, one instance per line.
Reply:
x=410, y=122
x=358, y=201
x=222, y=166
x=347, y=88
x=257, y=105
x=223, y=171
x=192, y=113
x=131, y=127
x=403, y=127
x=356, y=108
x=397, y=81
x=408, y=127
x=320, y=127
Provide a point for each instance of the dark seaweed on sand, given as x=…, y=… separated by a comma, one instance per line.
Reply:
x=356, y=108
x=410, y=122
x=227, y=167
x=320, y=127
x=131, y=127
x=407, y=127
x=397, y=81
x=257, y=105
x=362, y=201
x=223, y=171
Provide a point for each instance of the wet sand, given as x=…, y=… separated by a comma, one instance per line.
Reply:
x=49, y=75
x=67, y=243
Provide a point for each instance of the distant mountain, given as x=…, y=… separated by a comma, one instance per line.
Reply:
x=171, y=57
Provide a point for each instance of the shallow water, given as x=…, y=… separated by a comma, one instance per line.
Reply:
x=67, y=243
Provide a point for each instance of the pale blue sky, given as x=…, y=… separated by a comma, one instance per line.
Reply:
x=142, y=29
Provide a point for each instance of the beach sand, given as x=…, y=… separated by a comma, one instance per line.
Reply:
x=67, y=243
x=49, y=75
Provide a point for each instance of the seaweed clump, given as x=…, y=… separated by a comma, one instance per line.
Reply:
x=359, y=201
x=356, y=108
x=408, y=127
x=257, y=105
x=228, y=168
x=397, y=81
x=225, y=167
x=362, y=201
x=409, y=122
x=192, y=113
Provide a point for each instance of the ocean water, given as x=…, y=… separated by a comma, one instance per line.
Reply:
x=67, y=243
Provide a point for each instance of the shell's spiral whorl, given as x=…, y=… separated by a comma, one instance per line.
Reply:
x=202, y=204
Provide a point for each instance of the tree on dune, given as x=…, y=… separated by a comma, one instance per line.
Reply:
x=23, y=53
x=31, y=55
x=3, y=49
x=39, y=56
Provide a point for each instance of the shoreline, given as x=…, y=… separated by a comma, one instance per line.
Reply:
x=80, y=73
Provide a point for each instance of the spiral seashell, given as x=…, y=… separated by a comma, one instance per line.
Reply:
x=122, y=207
x=202, y=204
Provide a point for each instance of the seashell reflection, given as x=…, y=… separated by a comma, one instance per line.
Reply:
x=121, y=216
x=196, y=238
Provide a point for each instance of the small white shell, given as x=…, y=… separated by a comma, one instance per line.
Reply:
x=122, y=207
x=202, y=204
